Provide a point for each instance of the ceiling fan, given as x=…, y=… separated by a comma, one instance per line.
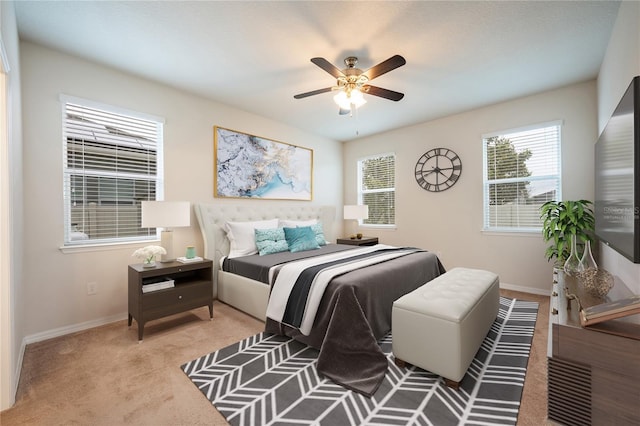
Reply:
x=352, y=82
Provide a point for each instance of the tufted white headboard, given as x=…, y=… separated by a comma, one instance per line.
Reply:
x=212, y=217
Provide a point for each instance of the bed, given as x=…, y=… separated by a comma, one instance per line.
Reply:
x=355, y=310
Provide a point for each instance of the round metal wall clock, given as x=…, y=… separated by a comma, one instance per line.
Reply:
x=438, y=169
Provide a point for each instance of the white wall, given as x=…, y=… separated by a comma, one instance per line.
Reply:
x=620, y=65
x=450, y=222
x=11, y=237
x=55, y=283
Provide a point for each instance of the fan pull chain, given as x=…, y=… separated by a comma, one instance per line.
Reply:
x=353, y=107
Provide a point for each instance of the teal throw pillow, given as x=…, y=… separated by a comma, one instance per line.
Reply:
x=301, y=239
x=317, y=229
x=271, y=241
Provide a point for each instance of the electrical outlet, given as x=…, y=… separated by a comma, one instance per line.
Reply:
x=92, y=288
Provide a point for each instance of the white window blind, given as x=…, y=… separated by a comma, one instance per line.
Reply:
x=521, y=172
x=111, y=165
x=376, y=188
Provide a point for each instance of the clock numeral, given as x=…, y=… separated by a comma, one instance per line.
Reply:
x=454, y=177
x=457, y=167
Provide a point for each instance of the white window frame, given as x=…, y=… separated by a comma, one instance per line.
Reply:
x=487, y=227
x=70, y=245
x=361, y=192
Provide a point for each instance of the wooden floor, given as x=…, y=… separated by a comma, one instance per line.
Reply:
x=102, y=376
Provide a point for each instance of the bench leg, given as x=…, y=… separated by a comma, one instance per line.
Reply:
x=452, y=384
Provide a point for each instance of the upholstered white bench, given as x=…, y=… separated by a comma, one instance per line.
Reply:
x=440, y=326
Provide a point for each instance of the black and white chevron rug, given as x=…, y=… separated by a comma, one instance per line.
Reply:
x=272, y=380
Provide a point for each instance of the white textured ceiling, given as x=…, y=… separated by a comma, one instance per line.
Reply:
x=255, y=55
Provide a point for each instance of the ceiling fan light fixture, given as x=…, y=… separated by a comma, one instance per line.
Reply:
x=351, y=82
x=357, y=99
x=345, y=100
x=342, y=100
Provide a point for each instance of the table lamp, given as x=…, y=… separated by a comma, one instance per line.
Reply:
x=166, y=215
x=356, y=213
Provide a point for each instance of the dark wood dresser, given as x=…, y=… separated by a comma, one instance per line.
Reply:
x=593, y=372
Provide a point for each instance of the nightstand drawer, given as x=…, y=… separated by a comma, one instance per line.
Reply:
x=176, y=295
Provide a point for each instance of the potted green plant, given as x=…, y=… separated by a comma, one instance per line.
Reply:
x=561, y=220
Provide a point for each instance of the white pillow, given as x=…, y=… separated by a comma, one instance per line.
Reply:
x=295, y=223
x=242, y=236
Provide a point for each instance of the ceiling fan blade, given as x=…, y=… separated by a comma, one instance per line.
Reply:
x=383, y=93
x=383, y=67
x=314, y=92
x=328, y=67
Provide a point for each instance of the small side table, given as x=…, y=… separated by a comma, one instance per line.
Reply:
x=191, y=286
x=364, y=241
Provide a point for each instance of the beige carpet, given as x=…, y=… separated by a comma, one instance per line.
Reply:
x=103, y=376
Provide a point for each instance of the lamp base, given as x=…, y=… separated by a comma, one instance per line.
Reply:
x=166, y=241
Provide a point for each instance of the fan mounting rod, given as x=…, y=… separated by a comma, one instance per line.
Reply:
x=350, y=61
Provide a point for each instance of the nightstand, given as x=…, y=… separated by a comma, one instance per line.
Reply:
x=364, y=241
x=168, y=288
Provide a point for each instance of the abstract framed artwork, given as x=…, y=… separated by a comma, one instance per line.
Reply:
x=248, y=166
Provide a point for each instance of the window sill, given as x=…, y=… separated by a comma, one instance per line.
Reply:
x=369, y=226
x=516, y=233
x=84, y=248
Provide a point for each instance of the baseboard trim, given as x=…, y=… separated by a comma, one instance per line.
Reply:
x=16, y=381
x=61, y=331
x=532, y=290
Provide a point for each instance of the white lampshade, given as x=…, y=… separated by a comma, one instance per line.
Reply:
x=357, y=99
x=356, y=212
x=345, y=100
x=342, y=100
x=166, y=214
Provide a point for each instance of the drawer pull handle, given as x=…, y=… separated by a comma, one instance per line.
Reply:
x=554, y=311
x=179, y=297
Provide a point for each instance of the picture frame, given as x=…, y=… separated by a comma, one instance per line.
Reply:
x=249, y=166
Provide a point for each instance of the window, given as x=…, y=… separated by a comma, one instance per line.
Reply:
x=111, y=164
x=376, y=188
x=521, y=172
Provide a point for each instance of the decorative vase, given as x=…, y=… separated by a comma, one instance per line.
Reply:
x=149, y=262
x=587, y=261
x=572, y=266
x=190, y=253
x=597, y=282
